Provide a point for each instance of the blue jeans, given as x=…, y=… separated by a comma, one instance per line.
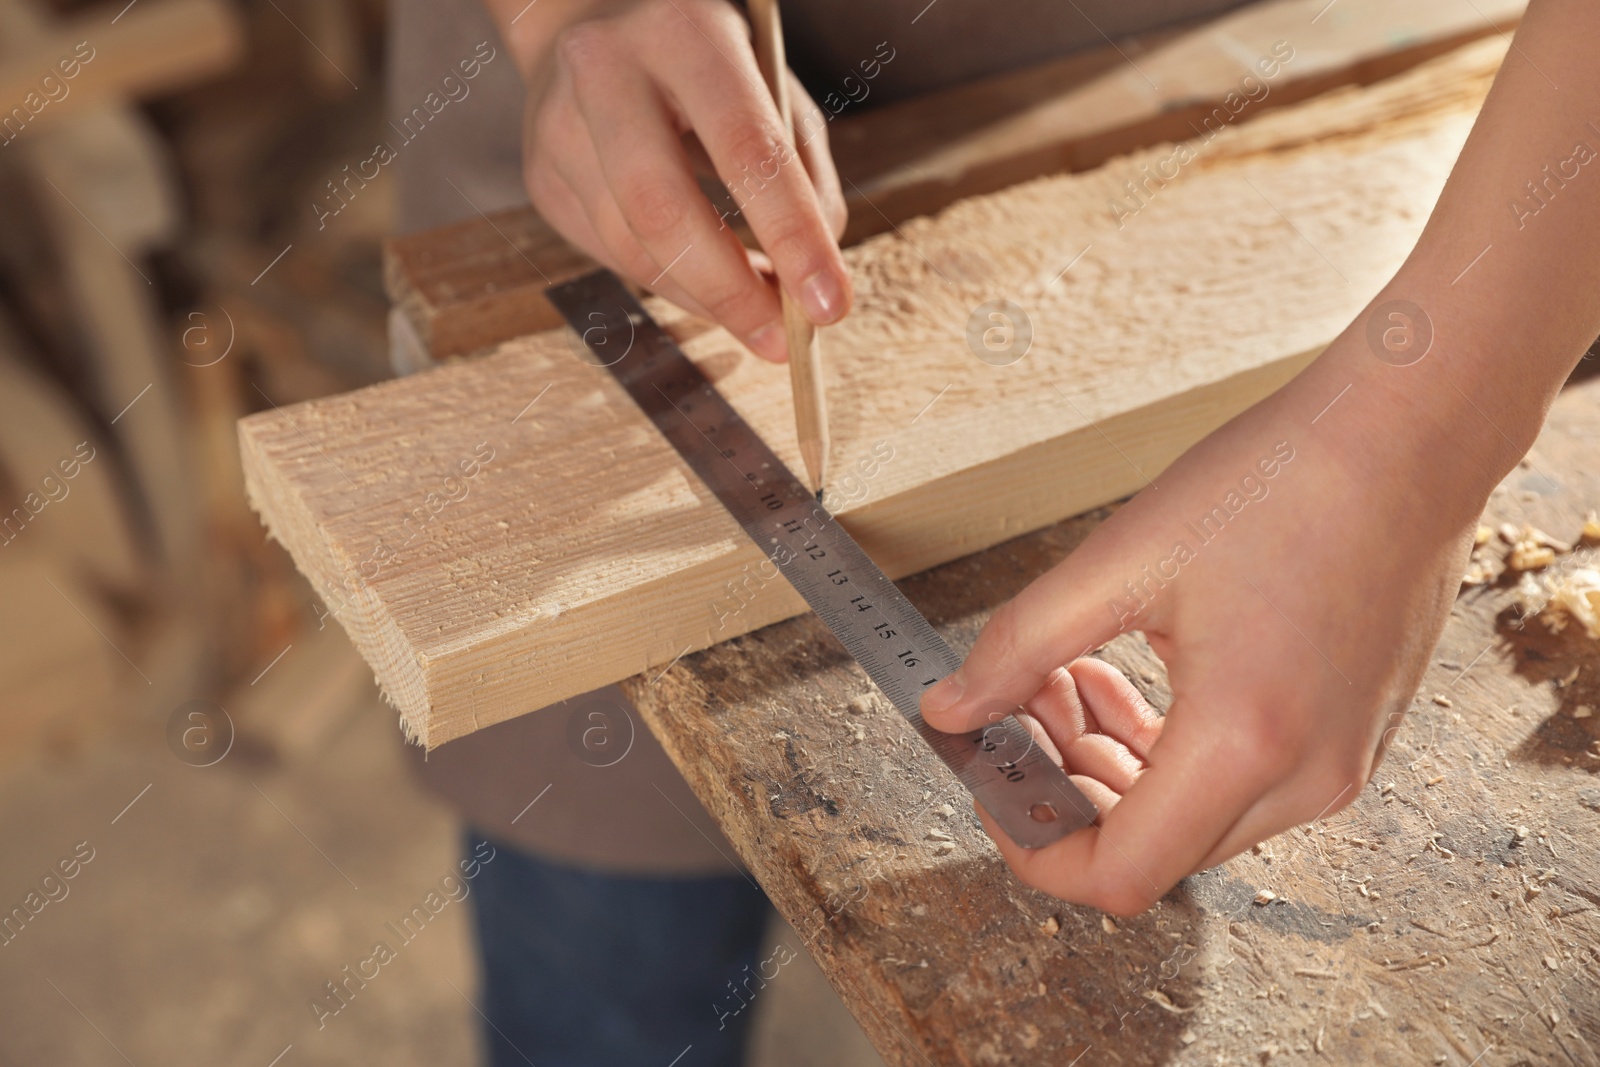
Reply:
x=582, y=968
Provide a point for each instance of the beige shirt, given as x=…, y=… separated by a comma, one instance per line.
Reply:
x=584, y=782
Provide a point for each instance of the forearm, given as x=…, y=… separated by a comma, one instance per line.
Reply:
x=529, y=29
x=1507, y=271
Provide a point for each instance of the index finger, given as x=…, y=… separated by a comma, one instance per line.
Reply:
x=736, y=119
x=1059, y=617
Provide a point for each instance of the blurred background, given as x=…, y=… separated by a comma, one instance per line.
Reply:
x=180, y=728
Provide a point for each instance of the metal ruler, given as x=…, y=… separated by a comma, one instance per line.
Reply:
x=1016, y=782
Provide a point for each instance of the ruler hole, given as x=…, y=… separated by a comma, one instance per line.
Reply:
x=1043, y=812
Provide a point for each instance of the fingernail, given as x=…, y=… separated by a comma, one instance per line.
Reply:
x=944, y=694
x=769, y=343
x=823, y=297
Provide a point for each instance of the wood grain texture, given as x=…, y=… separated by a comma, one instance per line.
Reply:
x=1450, y=915
x=1160, y=89
x=581, y=550
x=479, y=282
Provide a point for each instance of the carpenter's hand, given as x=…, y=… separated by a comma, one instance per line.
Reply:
x=605, y=162
x=1293, y=576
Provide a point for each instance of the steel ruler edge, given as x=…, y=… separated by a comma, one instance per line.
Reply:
x=1014, y=779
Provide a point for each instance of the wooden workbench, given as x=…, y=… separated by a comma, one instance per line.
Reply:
x=1448, y=916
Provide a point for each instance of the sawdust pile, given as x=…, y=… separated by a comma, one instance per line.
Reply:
x=1558, y=600
x=1560, y=595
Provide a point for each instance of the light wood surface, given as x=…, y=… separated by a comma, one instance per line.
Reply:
x=1169, y=90
x=584, y=551
x=1448, y=916
x=478, y=282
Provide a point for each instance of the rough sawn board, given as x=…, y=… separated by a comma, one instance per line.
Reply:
x=509, y=531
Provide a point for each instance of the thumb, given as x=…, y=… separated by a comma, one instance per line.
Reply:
x=1075, y=607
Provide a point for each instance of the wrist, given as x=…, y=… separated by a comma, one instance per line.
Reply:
x=1417, y=394
x=1459, y=357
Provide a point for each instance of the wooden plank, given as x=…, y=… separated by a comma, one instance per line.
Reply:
x=138, y=51
x=65, y=497
x=479, y=282
x=502, y=533
x=65, y=682
x=463, y=287
x=1165, y=94
x=103, y=186
x=1419, y=926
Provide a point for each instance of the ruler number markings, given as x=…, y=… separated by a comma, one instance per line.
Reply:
x=885, y=633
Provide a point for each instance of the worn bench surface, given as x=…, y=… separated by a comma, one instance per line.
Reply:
x=1449, y=918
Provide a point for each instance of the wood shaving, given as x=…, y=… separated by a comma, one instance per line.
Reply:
x=1265, y=896
x=1051, y=926
x=1160, y=1000
x=1531, y=548
x=1442, y=700
x=1540, y=537
x=1527, y=556
x=1482, y=536
x=1574, y=597
x=1427, y=959
x=1591, y=529
x=1511, y=535
x=1479, y=572
x=1582, y=711
x=1107, y=925
x=939, y=835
